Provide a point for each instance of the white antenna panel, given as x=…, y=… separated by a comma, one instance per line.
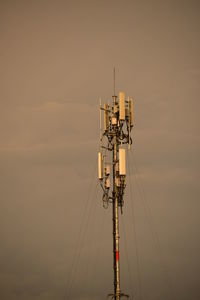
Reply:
x=106, y=119
x=122, y=161
x=100, y=165
x=122, y=106
x=131, y=112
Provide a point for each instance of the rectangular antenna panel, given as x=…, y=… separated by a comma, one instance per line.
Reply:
x=100, y=165
x=131, y=112
x=121, y=106
x=106, y=118
x=122, y=162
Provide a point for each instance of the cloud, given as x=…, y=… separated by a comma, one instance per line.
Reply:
x=57, y=59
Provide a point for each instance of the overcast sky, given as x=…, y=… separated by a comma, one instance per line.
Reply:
x=57, y=59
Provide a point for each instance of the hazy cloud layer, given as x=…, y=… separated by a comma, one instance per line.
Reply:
x=57, y=59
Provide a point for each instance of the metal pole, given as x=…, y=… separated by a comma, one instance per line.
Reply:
x=114, y=230
x=115, y=225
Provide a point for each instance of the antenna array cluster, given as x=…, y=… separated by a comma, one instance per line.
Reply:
x=118, y=122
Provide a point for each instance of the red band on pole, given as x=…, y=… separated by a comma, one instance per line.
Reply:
x=117, y=255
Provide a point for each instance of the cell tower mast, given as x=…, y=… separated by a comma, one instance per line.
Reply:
x=118, y=123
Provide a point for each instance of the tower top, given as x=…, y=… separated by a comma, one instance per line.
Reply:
x=114, y=80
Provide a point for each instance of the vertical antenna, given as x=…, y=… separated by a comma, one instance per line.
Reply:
x=100, y=129
x=114, y=80
x=114, y=96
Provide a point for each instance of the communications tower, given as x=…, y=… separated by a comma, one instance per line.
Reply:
x=118, y=123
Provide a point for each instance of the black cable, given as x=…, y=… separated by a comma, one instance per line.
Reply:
x=135, y=236
x=81, y=246
x=79, y=238
x=154, y=233
x=126, y=255
x=98, y=252
x=92, y=227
